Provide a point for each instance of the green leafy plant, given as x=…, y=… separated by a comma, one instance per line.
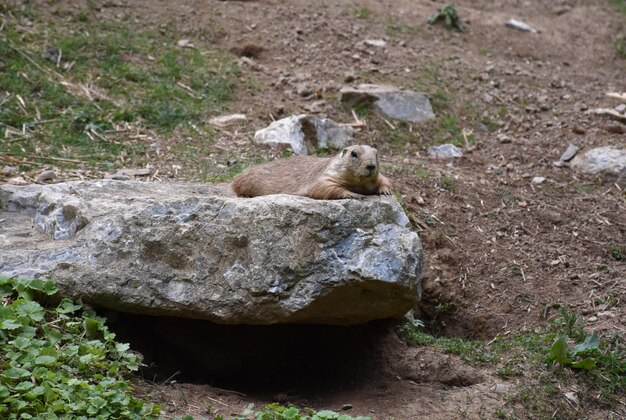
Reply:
x=582, y=356
x=61, y=362
x=279, y=412
x=603, y=361
x=450, y=17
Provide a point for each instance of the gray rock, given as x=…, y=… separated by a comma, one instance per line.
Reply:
x=195, y=251
x=606, y=160
x=445, y=151
x=569, y=153
x=46, y=176
x=305, y=134
x=390, y=102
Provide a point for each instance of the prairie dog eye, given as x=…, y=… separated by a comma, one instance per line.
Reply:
x=353, y=154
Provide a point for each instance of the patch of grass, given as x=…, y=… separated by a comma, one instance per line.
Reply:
x=362, y=12
x=561, y=357
x=448, y=131
x=617, y=252
x=109, y=81
x=620, y=5
x=279, y=412
x=363, y=109
x=447, y=182
x=61, y=362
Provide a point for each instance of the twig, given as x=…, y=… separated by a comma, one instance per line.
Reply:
x=393, y=127
x=19, y=162
x=171, y=377
x=59, y=57
x=466, y=133
x=58, y=159
x=231, y=391
x=45, y=121
x=356, y=119
x=26, y=56
x=189, y=90
x=218, y=401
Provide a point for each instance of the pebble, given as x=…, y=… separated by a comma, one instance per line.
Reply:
x=380, y=43
x=46, y=176
x=445, y=151
x=572, y=397
x=567, y=155
x=304, y=89
x=51, y=54
x=185, y=43
x=504, y=138
x=501, y=388
x=538, y=180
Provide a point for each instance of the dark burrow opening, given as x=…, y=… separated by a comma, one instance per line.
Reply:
x=269, y=358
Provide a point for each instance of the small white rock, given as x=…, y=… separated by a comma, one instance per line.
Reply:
x=501, y=388
x=380, y=43
x=185, y=43
x=621, y=108
x=538, y=180
x=572, y=397
x=518, y=24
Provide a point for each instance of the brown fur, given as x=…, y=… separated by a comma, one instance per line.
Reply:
x=352, y=173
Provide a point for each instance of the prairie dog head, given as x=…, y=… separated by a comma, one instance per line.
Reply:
x=360, y=161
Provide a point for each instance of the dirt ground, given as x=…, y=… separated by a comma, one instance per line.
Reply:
x=500, y=250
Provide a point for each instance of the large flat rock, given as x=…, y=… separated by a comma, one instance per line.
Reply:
x=195, y=251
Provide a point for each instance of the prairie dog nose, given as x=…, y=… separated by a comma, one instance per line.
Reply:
x=370, y=167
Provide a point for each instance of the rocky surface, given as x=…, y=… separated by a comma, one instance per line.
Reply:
x=306, y=134
x=390, y=102
x=193, y=250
